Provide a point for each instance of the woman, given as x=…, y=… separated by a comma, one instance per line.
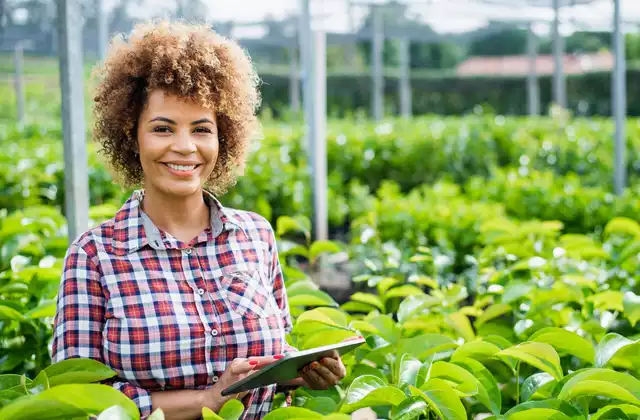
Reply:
x=179, y=295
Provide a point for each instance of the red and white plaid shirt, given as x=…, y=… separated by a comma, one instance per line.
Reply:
x=167, y=315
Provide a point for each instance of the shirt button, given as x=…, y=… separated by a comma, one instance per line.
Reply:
x=186, y=251
x=214, y=379
x=214, y=333
x=201, y=292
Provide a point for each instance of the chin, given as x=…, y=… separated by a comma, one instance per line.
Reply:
x=182, y=189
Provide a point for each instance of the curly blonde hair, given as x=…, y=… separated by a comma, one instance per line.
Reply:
x=190, y=61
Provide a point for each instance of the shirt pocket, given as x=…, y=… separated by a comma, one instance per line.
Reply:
x=246, y=296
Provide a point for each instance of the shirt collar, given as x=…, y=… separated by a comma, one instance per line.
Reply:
x=133, y=228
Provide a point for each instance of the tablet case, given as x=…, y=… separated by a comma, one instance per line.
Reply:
x=288, y=367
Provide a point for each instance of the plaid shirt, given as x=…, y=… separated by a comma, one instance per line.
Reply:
x=165, y=314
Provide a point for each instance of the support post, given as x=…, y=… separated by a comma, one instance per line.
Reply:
x=103, y=29
x=294, y=78
x=304, y=37
x=559, y=84
x=533, y=89
x=405, y=78
x=19, y=82
x=319, y=137
x=619, y=100
x=73, y=124
x=377, y=65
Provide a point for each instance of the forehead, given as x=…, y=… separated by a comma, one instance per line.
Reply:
x=160, y=101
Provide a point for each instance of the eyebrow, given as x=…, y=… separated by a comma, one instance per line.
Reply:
x=167, y=120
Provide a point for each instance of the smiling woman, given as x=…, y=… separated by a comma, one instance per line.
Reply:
x=179, y=295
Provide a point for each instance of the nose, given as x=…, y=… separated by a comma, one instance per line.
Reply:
x=183, y=143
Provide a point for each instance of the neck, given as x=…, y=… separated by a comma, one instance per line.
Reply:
x=176, y=215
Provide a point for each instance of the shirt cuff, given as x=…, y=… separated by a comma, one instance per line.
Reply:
x=139, y=396
x=289, y=348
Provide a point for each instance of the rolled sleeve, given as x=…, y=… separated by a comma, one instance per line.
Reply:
x=79, y=320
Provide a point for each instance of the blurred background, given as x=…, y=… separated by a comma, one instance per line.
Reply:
x=469, y=168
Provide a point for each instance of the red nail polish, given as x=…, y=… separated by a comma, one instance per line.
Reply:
x=253, y=362
x=278, y=356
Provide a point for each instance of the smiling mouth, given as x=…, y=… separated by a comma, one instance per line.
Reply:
x=185, y=168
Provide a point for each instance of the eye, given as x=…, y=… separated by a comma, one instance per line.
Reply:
x=202, y=130
x=161, y=129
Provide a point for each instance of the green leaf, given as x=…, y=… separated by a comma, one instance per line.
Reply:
x=442, y=399
x=488, y=391
x=515, y=290
x=592, y=388
x=208, y=414
x=535, y=382
x=538, y=355
x=69, y=401
x=11, y=380
x=9, y=314
x=602, y=382
x=312, y=298
x=369, y=299
x=631, y=306
x=407, y=371
x=286, y=224
x=609, y=346
x=409, y=409
x=286, y=413
x=322, y=405
x=461, y=324
x=610, y=300
x=493, y=311
x=29, y=408
x=46, y=309
x=413, y=305
x=115, y=412
x=321, y=247
x=566, y=341
x=386, y=328
x=622, y=226
x=424, y=345
x=77, y=371
x=466, y=385
x=39, y=384
x=157, y=414
x=478, y=350
x=370, y=391
x=327, y=316
x=606, y=412
x=402, y=291
x=547, y=409
x=231, y=410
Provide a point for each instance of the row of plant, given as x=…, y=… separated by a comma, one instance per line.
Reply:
x=506, y=162
x=540, y=325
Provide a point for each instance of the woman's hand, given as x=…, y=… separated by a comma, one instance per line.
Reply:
x=236, y=370
x=324, y=373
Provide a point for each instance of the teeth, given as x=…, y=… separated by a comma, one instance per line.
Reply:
x=181, y=167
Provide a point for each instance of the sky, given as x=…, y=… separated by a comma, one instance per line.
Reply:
x=442, y=15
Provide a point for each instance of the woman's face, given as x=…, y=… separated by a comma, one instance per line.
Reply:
x=177, y=143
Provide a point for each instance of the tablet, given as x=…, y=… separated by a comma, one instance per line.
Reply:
x=288, y=367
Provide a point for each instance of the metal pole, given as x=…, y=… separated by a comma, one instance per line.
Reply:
x=73, y=124
x=405, y=78
x=103, y=29
x=619, y=100
x=559, y=86
x=319, y=137
x=19, y=82
x=307, y=68
x=294, y=80
x=533, y=90
x=377, y=67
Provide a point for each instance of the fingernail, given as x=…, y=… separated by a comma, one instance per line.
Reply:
x=278, y=356
x=253, y=362
x=314, y=365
